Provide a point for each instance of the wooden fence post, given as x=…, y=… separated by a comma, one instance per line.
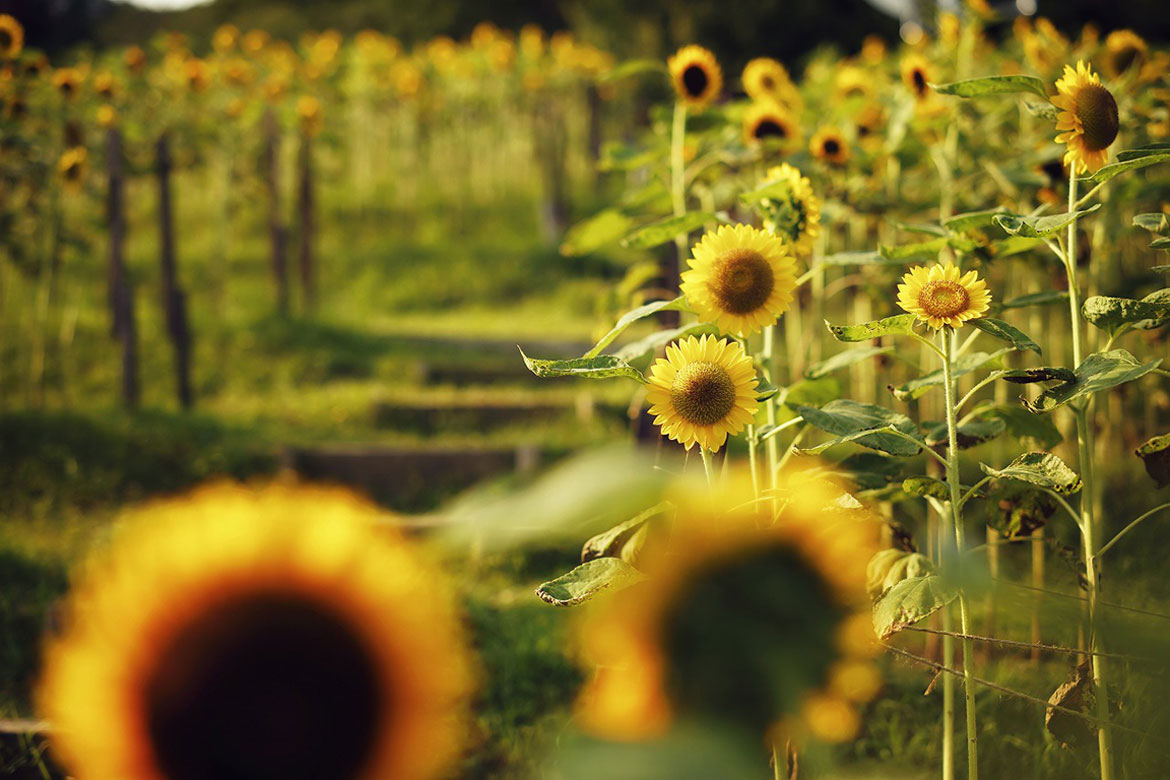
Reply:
x=121, y=294
x=174, y=302
x=276, y=228
x=305, y=210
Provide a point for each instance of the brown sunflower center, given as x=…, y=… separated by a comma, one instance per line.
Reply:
x=943, y=298
x=832, y=147
x=769, y=128
x=6, y=39
x=266, y=685
x=1125, y=57
x=1097, y=111
x=919, y=79
x=768, y=83
x=695, y=80
x=742, y=281
x=702, y=393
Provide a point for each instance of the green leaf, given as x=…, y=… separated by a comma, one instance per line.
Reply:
x=630, y=317
x=812, y=392
x=666, y=230
x=1099, y=371
x=1009, y=246
x=863, y=423
x=889, y=567
x=974, y=220
x=1040, y=227
x=1036, y=299
x=1132, y=163
x=639, y=350
x=1143, y=151
x=633, y=68
x=1030, y=376
x=1110, y=313
x=967, y=435
x=910, y=601
x=765, y=390
x=844, y=359
x=871, y=470
x=1160, y=243
x=1035, y=430
x=925, y=248
x=602, y=229
x=615, y=542
x=922, y=487
x=1045, y=111
x=993, y=85
x=1038, y=468
x=974, y=361
x=588, y=580
x=1155, y=454
x=899, y=324
x=1155, y=222
x=1005, y=332
x=600, y=367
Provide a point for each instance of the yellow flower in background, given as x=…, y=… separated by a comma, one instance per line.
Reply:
x=134, y=58
x=106, y=116
x=767, y=122
x=873, y=49
x=273, y=632
x=852, y=82
x=696, y=76
x=793, y=212
x=942, y=297
x=746, y=618
x=71, y=167
x=870, y=120
x=766, y=78
x=254, y=41
x=702, y=391
x=225, y=37
x=916, y=75
x=1088, y=118
x=11, y=37
x=829, y=145
x=741, y=278
x=67, y=81
x=105, y=85
x=1124, y=49
x=310, y=115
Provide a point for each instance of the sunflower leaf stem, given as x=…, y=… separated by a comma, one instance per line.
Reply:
x=982, y=383
x=1108, y=545
x=947, y=336
x=791, y=447
x=968, y=342
x=927, y=343
x=972, y=491
x=1087, y=196
x=708, y=466
x=769, y=364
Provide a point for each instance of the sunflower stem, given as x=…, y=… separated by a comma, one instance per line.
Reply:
x=708, y=466
x=947, y=336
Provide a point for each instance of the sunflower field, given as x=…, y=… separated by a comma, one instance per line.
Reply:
x=503, y=407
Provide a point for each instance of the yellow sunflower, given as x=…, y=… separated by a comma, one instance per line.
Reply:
x=1088, y=118
x=754, y=621
x=852, y=82
x=703, y=390
x=105, y=85
x=225, y=38
x=740, y=278
x=696, y=76
x=67, y=81
x=11, y=37
x=254, y=633
x=829, y=145
x=795, y=213
x=310, y=114
x=941, y=296
x=766, y=122
x=107, y=115
x=916, y=75
x=71, y=167
x=1124, y=49
x=765, y=78
x=134, y=58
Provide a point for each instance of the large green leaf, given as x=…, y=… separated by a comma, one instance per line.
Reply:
x=1005, y=332
x=910, y=601
x=621, y=540
x=812, y=392
x=1035, y=429
x=588, y=580
x=967, y=435
x=1040, y=227
x=666, y=230
x=889, y=567
x=1036, y=299
x=638, y=351
x=1155, y=222
x=973, y=220
x=993, y=85
x=600, y=367
x=962, y=366
x=863, y=423
x=898, y=324
x=630, y=317
x=1132, y=163
x=602, y=229
x=1099, y=371
x=1155, y=453
x=1109, y=313
x=1031, y=376
x=1038, y=468
x=844, y=359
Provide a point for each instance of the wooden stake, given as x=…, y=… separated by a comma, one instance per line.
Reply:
x=276, y=227
x=121, y=294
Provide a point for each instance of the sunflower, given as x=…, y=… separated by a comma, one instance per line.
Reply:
x=107, y=116
x=1088, y=118
x=766, y=79
x=703, y=390
x=1124, y=49
x=310, y=114
x=740, y=278
x=253, y=633
x=869, y=120
x=792, y=211
x=67, y=81
x=916, y=75
x=71, y=167
x=696, y=76
x=940, y=296
x=11, y=37
x=134, y=58
x=225, y=38
x=852, y=82
x=766, y=122
x=873, y=50
x=743, y=618
x=105, y=85
x=829, y=145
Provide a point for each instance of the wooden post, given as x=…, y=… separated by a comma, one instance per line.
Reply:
x=174, y=302
x=276, y=227
x=121, y=295
x=305, y=210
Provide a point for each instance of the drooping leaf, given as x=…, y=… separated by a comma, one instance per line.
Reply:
x=925, y=248
x=1160, y=243
x=967, y=435
x=640, y=350
x=1036, y=299
x=615, y=542
x=630, y=317
x=1159, y=298
x=600, y=367
x=844, y=359
x=665, y=230
x=872, y=470
x=910, y=601
x=1030, y=376
x=1130, y=163
x=765, y=390
x=854, y=421
x=973, y=220
x=1099, y=371
x=1158, y=147
x=1038, y=468
x=889, y=567
x=923, y=487
x=1155, y=222
x=899, y=324
x=1109, y=313
x=1005, y=332
x=993, y=85
x=1045, y=111
x=1036, y=430
x=588, y=580
x=1040, y=227
x=812, y=392
x=962, y=366
x=1155, y=453
x=602, y=229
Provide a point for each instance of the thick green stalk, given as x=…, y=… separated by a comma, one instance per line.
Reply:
x=948, y=345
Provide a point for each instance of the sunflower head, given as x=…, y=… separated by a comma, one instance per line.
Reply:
x=310, y=114
x=764, y=78
x=702, y=391
x=134, y=58
x=916, y=75
x=873, y=49
x=67, y=82
x=1124, y=49
x=107, y=116
x=254, y=633
x=71, y=167
x=791, y=210
x=852, y=82
x=11, y=37
x=942, y=297
x=740, y=278
x=743, y=617
x=829, y=145
x=696, y=76
x=225, y=37
x=767, y=123
x=1088, y=118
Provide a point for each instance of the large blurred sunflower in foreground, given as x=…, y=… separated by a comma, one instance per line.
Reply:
x=1087, y=120
x=743, y=619
x=11, y=37
x=241, y=633
x=696, y=76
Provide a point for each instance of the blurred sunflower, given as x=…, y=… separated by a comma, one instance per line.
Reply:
x=225, y=37
x=757, y=622
x=852, y=82
x=105, y=85
x=67, y=81
x=696, y=76
x=106, y=116
x=741, y=278
x=1124, y=49
x=873, y=49
x=702, y=391
x=1088, y=118
x=310, y=114
x=916, y=75
x=11, y=37
x=941, y=296
x=71, y=167
x=244, y=633
x=134, y=58
x=766, y=122
x=829, y=145
x=765, y=78
x=792, y=210
x=870, y=119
